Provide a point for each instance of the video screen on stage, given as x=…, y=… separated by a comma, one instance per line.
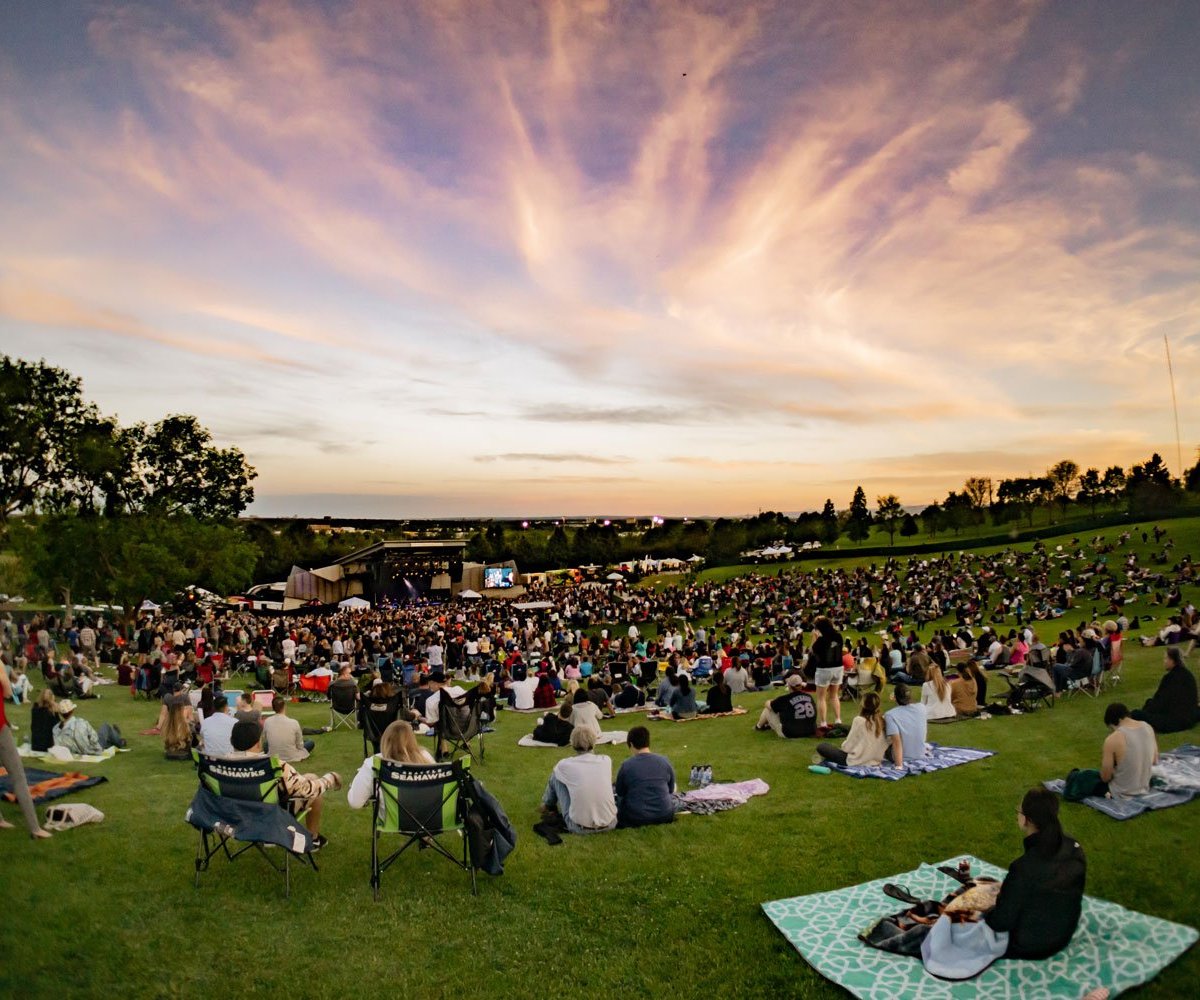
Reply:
x=497, y=576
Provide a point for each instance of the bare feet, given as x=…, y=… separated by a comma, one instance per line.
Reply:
x=41, y=834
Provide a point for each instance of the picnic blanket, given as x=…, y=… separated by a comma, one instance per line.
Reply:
x=616, y=736
x=939, y=757
x=719, y=797
x=1176, y=780
x=46, y=785
x=61, y=755
x=665, y=715
x=1112, y=947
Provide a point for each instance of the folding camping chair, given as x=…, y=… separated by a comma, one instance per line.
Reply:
x=867, y=676
x=1033, y=687
x=458, y=723
x=343, y=707
x=1093, y=682
x=376, y=715
x=263, y=700
x=421, y=802
x=1112, y=676
x=246, y=796
x=316, y=688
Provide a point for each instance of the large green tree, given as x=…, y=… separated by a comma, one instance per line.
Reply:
x=858, y=524
x=829, y=523
x=888, y=513
x=43, y=416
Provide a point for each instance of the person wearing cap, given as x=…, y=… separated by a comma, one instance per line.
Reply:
x=306, y=790
x=793, y=715
x=77, y=734
x=437, y=684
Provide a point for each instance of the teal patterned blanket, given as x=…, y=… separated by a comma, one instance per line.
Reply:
x=1112, y=947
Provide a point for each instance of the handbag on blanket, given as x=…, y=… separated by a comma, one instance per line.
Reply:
x=1083, y=783
x=903, y=933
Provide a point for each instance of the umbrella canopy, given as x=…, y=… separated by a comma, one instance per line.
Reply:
x=469, y=594
x=354, y=603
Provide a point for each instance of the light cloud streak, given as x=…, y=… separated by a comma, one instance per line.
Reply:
x=791, y=240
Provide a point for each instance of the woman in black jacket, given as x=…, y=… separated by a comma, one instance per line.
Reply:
x=1042, y=895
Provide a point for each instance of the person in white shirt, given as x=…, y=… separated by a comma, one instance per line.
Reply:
x=216, y=730
x=437, y=681
x=935, y=694
x=289, y=648
x=580, y=789
x=738, y=678
x=586, y=714
x=523, y=692
x=433, y=653
x=337, y=648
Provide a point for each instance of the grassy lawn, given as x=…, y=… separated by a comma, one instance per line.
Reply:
x=111, y=908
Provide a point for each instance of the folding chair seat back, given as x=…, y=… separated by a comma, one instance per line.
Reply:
x=263, y=699
x=248, y=779
x=377, y=715
x=459, y=723
x=418, y=798
x=343, y=699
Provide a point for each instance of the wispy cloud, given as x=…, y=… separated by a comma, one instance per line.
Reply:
x=553, y=457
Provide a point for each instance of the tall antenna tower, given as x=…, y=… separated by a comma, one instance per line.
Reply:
x=1174, y=405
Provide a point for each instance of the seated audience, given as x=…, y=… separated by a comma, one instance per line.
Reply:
x=1130, y=751
x=644, y=784
x=282, y=735
x=629, y=696
x=1172, y=708
x=307, y=791
x=1042, y=894
x=793, y=715
x=964, y=692
x=719, y=697
x=935, y=695
x=397, y=744
x=77, y=734
x=580, y=789
x=215, y=730
x=866, y=744
x=585, y=714
x=905, y=726
x=43, y=717
x=556, y=727
x=683, y=700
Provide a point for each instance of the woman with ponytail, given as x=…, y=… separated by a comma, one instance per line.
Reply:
x=1041, y=897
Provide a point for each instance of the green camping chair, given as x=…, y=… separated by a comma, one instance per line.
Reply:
x=241, y=805
x=421, y=803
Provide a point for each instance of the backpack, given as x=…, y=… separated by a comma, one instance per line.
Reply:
x=1082, y=783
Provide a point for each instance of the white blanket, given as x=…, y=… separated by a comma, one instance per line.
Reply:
x=616, y=736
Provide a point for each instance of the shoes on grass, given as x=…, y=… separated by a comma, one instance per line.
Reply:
x=319, y=841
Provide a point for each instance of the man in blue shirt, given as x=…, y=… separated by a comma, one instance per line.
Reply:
x=644, y=784
x=905, y=727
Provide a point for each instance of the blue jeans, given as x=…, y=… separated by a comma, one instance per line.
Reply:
x=558, y=796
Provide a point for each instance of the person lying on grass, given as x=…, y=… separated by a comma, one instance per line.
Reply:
x=306, y=790
x=580, y=789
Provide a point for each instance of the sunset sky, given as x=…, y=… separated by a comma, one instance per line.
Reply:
x=458, y=258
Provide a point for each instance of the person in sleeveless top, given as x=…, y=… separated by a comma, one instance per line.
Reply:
x=1129, y=752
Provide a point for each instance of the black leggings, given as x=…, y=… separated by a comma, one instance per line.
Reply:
x=831, y=753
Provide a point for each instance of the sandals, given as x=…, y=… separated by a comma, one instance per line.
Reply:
x=901, y=893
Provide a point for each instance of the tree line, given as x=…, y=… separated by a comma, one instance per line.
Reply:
x=117, y=512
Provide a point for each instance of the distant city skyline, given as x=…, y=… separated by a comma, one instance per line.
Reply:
x=547, y=259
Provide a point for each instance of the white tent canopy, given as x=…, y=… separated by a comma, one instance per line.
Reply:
x=148, y=605
x=533, y=605
x=470, y=595
x=614, y=576
x=354, y=603
x=695, y=559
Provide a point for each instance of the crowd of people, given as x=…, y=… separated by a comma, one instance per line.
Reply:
x=810, y=638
